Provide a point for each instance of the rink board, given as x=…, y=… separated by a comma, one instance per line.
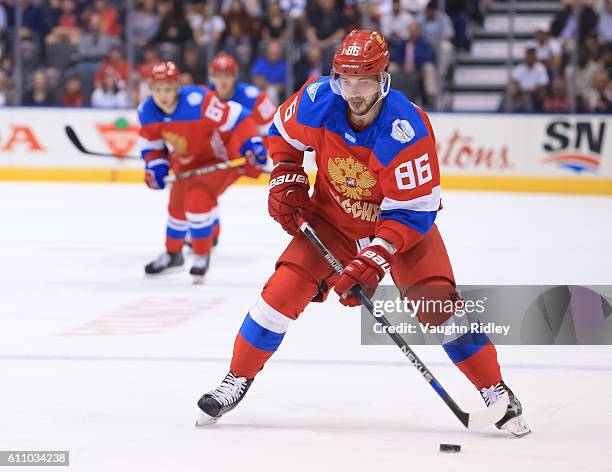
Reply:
x=526, y=153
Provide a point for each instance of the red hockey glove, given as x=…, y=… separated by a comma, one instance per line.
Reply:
x=367, y=269
x=288, y=194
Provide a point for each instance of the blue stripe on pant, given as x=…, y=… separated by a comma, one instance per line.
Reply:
x=465, y=346
x=175, y=233
x=260, y=337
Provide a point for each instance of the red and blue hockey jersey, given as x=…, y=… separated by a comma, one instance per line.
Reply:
x=201, y=130
x=382, y=181
x=255, y=100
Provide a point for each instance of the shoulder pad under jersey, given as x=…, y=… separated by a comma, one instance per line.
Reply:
x=400, y=126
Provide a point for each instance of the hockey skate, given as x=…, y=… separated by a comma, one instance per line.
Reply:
x=165, y=261
x=513, y=420
x=199, y=268
x=225, y=397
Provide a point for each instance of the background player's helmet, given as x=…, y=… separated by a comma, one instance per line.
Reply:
x=223, y=63
x=362, y=52
x=165, y=71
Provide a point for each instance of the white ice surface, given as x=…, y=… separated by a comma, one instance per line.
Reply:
x=97, y=359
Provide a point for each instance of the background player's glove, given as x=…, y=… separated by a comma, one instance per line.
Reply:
x=288, y=194
x=367, y=269
x=155, y=171
x=257, y=156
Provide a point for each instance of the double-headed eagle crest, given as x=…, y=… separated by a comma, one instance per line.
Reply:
x=350, y=178
x=178, y=142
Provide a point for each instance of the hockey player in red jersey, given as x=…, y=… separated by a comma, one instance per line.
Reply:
x=374, y=203
x=223, y=73
x=184, y=128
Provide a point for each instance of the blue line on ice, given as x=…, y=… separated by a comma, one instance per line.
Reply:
x=339, y=362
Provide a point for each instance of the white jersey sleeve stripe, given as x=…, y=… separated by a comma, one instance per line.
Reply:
x=146, y=145
x=278, y=123
x=429, y=202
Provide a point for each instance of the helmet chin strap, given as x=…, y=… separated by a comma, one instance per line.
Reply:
x=385, y=86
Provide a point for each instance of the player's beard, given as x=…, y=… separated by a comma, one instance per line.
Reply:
x=363, y=106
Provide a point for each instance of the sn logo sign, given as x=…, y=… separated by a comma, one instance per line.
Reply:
x=352, y=50
x=575, y=146
x=582, y=135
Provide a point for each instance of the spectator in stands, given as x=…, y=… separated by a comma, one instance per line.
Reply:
x=65, y=25
x=143, y=72
x=33, y=25
x=186, y=78
x=191, y=65
x=39, y=95
x=604, y=25
x=109, y=17
x=252, y=7
x=605, y=63
x=73, y=95
x=274, y=24
x=394, y=25
x=114, y=64
x=565, y=22
x=438, y=31
x=599, y=99
x=459, y=12
x=109, y=94
x=240, y=36
x=548, y=51
x=557, y=101
x=173, y=28
x=6, y=65
x=94, y=44
x=419, y=67
x=311, y=67
x=6, y=94
x=207, y=26
x=326, y=29
x=269, y=73
x=583, y=79
x=515, y=100
x=144, y=23
x=531, y=76
x=3, y=17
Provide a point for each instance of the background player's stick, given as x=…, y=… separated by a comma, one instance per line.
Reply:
x=206, y=170
x=479, y=419
x=169, y=179
x=77, y=143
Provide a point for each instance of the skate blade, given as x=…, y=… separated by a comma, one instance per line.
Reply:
x=198, y=279
x=517, y=426
x=169, y=270
x=205, y=420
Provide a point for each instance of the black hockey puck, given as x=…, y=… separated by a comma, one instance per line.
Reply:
x=450, y=448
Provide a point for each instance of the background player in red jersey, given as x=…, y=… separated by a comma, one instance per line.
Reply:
x=223, y=73
x=375, y=200
x=184, y=129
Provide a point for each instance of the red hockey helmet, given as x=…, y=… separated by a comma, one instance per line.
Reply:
x=223, y=62
x=362, y=52
x=165, y=71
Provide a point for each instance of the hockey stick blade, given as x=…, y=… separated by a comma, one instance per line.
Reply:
x=479, y=419
x=488, y=416
x=74, y=139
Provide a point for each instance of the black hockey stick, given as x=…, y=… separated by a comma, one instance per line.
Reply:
x=72, y=136
x=479, y=419
x=169, y=179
